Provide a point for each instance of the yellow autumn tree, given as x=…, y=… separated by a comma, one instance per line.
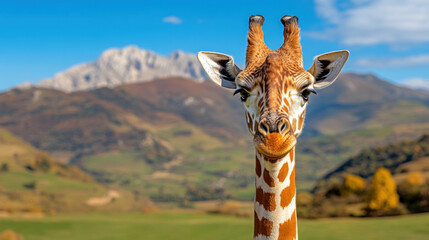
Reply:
x=354, y=183
x=382, y=193
x=10, y=235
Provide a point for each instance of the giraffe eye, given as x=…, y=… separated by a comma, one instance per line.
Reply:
x=244, y=94
x=306, y=93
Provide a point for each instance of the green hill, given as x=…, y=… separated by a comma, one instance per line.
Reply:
x=401, y=157
x=32, y=181
x=345, y=190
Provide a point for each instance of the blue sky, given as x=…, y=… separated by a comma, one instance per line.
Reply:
x=389, y=38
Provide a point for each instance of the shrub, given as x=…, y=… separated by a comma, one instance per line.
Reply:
x=205, y=193
x=414, y=193
x=304, y=201
x=415, y=179
x=355, y=184
x=4, y=167
x=43, y=163
x=233, y=208
x=34, y=208
x=10, y=235
x=30, y=185
x=382, y=195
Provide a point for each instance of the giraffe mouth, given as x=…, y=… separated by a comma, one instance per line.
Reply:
x=274, y=146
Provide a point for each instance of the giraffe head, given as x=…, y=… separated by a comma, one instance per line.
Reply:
x=274, y=86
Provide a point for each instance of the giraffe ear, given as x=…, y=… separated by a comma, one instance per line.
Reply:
x=327, y=67
x=220, y=68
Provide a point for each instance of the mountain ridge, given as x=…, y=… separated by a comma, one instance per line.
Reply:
x=130, y=64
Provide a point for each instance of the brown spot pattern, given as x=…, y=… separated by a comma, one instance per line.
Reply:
x=287, y=230
x=286, y=102
x=265, y=199
x=301, y=120
x=263, y=226
x=261, y=86
x=285, y=109
x=268, y=179
x=249, y=121
x=258, y=167
x=283, y=172
x=291, y=153
x=287, y=194
x=261, y=102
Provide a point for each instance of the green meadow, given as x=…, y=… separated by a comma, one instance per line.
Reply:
x=188, y=226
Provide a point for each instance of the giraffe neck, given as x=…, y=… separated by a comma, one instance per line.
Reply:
x=275, y=207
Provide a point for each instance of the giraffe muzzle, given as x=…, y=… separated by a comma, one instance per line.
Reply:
x=274, y=137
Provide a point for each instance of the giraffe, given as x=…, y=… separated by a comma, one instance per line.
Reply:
x=275, y=90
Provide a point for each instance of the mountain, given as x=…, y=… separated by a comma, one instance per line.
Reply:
x=416, y=84
x=126, y=65
x=109, y=118
x=360, y=101
x=192, y=134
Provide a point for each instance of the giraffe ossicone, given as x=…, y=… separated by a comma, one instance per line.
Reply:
x=275, y=90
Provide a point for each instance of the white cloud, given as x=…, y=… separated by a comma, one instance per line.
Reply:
x=172, y=20
x=411, y=61
x=364, y=22
x=416, y=83
x=327, y=10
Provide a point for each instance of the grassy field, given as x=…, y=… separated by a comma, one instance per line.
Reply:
x=193, y=226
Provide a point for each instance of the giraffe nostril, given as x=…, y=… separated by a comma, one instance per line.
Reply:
x=263, y=128
x=284, y=126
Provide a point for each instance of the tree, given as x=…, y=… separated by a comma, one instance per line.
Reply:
x=382, y=193
x=4, y=167
x=414, y=193
x=355, y=184
x=10, y=235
